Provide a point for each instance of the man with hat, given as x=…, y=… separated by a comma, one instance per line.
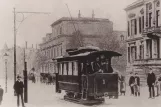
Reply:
x=18, y=87
x=1, y=94
x=151, y=82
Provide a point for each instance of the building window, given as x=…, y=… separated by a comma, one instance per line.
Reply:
x=149, y=48
x=140, y=27
x=133, y=53
x=54, y=52
x=142, y=51
x=156, y=47
x=128, y=54
x=157, y=17
x=133, y=27
x=143, y=22
x=128, y=26
x=61, y=50
x=158, y=4
x=150, y=6
x=150, y=19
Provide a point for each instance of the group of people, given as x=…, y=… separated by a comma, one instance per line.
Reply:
x=134, y=83
x=152, y=82
x=101, y=65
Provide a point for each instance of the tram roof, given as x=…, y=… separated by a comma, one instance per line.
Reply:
x=87, y=55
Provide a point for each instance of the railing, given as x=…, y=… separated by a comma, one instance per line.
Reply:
x=147, y=61
x=152, y=30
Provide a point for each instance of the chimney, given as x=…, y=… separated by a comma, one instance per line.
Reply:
x=93, y=15
x=79, y=14
x=32, y=46
x=36, y=46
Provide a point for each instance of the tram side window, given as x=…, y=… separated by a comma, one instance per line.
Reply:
x=65, y=69
x=75, y=71
x=60, y=69
x=70, y=68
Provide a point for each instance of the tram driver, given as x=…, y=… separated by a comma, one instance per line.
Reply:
x=89, y=69
x=105, y=65
x=97, y=66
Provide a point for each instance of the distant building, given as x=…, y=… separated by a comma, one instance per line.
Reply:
x=144, y=37
x=64, y=29
x=30, y=54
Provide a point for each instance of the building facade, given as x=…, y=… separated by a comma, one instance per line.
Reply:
x=63, y=30
x=30, y=54
x=144, y=37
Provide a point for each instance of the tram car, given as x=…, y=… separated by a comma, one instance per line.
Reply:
x=86, y=75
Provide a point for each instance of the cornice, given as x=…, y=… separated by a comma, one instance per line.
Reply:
x=134, y=39
x=134, y=5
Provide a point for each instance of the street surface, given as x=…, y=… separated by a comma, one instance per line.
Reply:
x=42, y=95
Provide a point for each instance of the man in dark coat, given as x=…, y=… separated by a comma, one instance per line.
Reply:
x=97, y=65
x=18, y=87
x=1, y=94
x=151, y=82
x=131, y=83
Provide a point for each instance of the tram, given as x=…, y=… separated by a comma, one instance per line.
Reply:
x=86, y=75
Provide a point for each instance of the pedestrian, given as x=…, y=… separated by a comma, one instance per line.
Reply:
x=151, y=82
x=18, y=87
x=131, y=83
x=158, y=85
x=137, y=85
x=122, y=85
x=1, y=94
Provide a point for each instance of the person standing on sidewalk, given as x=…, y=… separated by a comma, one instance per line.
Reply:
x=131, y=83
x=1, y=94
x=18, y=87
x=137, y=85
x=158, y=83
x=151, y=82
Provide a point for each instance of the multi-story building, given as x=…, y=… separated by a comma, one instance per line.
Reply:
x=56, y=43
x=144, y=37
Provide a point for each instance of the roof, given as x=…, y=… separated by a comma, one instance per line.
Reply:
x=83, y=50
x=87, y=55
x=79, y=19
x=134, y=4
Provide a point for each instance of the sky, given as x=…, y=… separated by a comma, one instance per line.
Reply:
x=35, y=26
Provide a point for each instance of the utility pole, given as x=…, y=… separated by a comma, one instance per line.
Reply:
x=25, y=63
x=25, y=79
x=14, y=45
x=14, y=48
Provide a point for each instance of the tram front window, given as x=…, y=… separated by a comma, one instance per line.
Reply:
x=89, y=68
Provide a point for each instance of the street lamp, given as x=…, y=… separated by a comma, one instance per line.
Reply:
x=5, y=57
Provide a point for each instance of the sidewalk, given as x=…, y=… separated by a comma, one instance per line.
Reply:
x=42, y=95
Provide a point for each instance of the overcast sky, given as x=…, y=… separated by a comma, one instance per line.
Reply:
x=36, y=26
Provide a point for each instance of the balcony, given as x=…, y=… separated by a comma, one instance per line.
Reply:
x=143, y=62
x=152, y=31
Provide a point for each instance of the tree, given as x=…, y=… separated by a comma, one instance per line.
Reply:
x=112, y=43
x=76, y=40
x=39, y=60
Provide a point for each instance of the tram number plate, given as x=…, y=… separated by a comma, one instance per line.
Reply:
x=106, y=94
